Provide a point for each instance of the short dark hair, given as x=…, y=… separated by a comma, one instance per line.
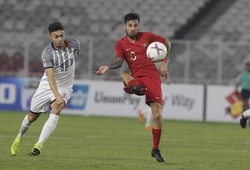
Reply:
x=131, y=16
x=55, y=27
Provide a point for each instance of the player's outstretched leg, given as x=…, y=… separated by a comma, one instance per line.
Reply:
x=133, y=88
x=47, y=130
x=15, y=147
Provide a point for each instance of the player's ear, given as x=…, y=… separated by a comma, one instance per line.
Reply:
x=124, y=27
x=49, y=36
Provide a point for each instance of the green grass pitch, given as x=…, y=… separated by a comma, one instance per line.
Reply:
x=108, y=143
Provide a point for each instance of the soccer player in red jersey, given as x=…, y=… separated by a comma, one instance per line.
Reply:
x=145, y=78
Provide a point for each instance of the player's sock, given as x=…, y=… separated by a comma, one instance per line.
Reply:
x=149, y=120
x=156, y=138
x=48, y=128
x=246, y=113
x=24, y=127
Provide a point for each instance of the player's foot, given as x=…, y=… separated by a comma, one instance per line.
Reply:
x=15, y=147
x=243, y=122
x=155, y=153
x=36, y=149
x=140, y=116
x=138, y=90
x=149, y=127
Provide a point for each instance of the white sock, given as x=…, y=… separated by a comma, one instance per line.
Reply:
x=149, y=118
x=246, y=113
x=147, y=113
x=24, y=127
x=48, y=128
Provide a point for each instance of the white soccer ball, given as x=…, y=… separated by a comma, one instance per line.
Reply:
x=156, y=51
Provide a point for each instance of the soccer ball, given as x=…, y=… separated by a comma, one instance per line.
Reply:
x=156, y=51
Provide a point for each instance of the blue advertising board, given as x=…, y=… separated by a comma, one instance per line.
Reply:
x=16, y=94
x=13, y=95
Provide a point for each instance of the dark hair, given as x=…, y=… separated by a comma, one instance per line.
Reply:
x=131, y=16
x=55, y=27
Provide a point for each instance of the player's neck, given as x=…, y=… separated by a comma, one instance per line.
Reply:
x=62, y=47
x=133, y=40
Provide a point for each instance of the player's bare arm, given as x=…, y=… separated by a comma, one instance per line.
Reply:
x=53, y=86
x=163, y=69
x=164, y=66
x=168, y=45
x=117, y=64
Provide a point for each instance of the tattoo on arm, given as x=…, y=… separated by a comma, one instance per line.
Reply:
x=117, y=64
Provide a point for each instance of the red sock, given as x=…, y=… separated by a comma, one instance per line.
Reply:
x=156, y=138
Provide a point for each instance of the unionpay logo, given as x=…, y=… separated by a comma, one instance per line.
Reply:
x=79, y=97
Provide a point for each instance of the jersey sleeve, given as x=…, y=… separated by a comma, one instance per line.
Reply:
x=118, y=50
x=75, y=44
x=158, y=38
x=47, y=59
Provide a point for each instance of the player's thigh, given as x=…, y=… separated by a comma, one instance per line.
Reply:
x=65, y=94
x=40, y=101
x=154, y=93
x=44, y=97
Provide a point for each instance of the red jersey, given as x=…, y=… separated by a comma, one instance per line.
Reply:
x=135, y=54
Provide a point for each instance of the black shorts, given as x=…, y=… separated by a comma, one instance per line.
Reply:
x=245, y=94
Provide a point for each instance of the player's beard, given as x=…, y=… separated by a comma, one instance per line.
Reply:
x=132, y=35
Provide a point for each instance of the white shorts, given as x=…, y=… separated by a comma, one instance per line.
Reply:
x=43, y=97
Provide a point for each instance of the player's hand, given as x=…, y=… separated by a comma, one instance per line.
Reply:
x=102, y=70
x=60, y=101
x=168, y=81
x=163, y=69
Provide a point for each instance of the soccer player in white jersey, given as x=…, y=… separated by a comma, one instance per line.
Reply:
x=55, y=86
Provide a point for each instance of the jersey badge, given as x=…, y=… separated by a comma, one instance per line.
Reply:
x=144, y=44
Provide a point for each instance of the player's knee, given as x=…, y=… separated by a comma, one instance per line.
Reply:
x=125, y=78
x=33, y=117
x=157, y=117
x=56, y=110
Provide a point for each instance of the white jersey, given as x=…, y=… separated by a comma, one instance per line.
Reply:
x=63, y=63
